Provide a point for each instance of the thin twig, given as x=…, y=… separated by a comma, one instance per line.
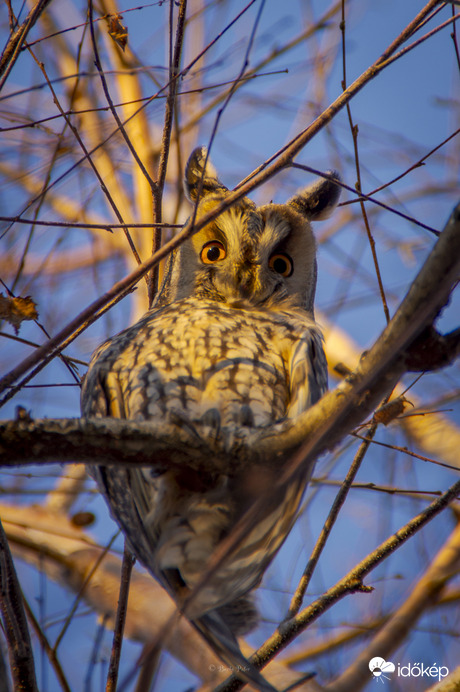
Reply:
x=368, y=198
x=423, y=38
x=15, y=623
x=126, y=569
x=389, y=490
x=454, y=37
x=44, y=643
x=426, y=591
x=174, y=65
x=77, y=224
x=299, y=594
x=79, y=596
x=350, y=583
x=415, y=165
x=96, y=649
x=404, y=450
x=354, y=133
x=65, y=359
x=17, y=38
x=88, y=157
x=113, y=110
x=56, y=352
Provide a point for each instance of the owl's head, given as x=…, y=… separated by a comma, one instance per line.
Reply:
x=248, y=256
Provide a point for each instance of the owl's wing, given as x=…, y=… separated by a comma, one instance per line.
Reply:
x=127, y=494
x=307, y=370
x=130, y=499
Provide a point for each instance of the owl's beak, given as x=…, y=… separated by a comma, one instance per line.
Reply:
x=246, y=279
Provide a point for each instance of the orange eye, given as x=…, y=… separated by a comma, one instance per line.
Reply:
x=281, y=264
x=212, y=252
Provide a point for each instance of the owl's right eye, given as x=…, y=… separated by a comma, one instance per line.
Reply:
x=212, y=252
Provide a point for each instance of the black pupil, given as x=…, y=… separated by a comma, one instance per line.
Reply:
x=280, y=265
x=213, y=253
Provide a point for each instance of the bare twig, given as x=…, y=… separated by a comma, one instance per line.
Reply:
x=454, y=39
x=354, y=133
x=17, y=38
x=105, y=87
x=174, y=65
x=15, y=623
x=88, y=157
x=417, y=164
x=361, y=196
x=126, y=569
x=407, y=451
x=445, y=565
x=86, y=581
x=299, y=594
x=44, y=643
x=72, y=336
x=350, y=583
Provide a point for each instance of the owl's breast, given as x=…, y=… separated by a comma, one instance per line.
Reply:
x=209, y=362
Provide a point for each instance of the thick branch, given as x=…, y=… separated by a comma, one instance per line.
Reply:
x=433, y=351
x=319, y=429
x=105, y=440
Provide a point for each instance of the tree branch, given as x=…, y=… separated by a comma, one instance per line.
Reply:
x=391, y=635
x=66, y=554
x=17, y=38
x=350, y=583
x=320, y=428
x=15, y=623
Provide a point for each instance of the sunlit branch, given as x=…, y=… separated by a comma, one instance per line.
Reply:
x=350, y=583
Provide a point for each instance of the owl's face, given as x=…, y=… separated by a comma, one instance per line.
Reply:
x=248, y=256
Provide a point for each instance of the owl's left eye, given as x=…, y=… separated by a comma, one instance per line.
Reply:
x=282, y=264
x=214, y=251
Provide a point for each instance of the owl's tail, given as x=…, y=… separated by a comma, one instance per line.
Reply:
x=218, y=635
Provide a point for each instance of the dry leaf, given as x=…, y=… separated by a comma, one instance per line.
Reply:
x=394, y=408
x=117, y=31
x=16, y=310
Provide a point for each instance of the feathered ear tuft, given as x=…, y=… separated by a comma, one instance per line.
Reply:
x=200, y=181
x=318, y=200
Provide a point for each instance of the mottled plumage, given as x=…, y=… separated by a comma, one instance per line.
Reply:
x=230, y=341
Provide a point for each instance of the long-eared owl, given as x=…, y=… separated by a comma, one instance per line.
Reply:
x=230, y=341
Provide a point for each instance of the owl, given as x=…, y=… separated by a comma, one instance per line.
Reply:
x=230, y=343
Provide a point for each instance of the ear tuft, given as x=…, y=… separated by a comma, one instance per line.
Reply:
x=200, y=175
x=318, y=200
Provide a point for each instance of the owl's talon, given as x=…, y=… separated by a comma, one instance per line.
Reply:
x=211, y=420
x=181, y=420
